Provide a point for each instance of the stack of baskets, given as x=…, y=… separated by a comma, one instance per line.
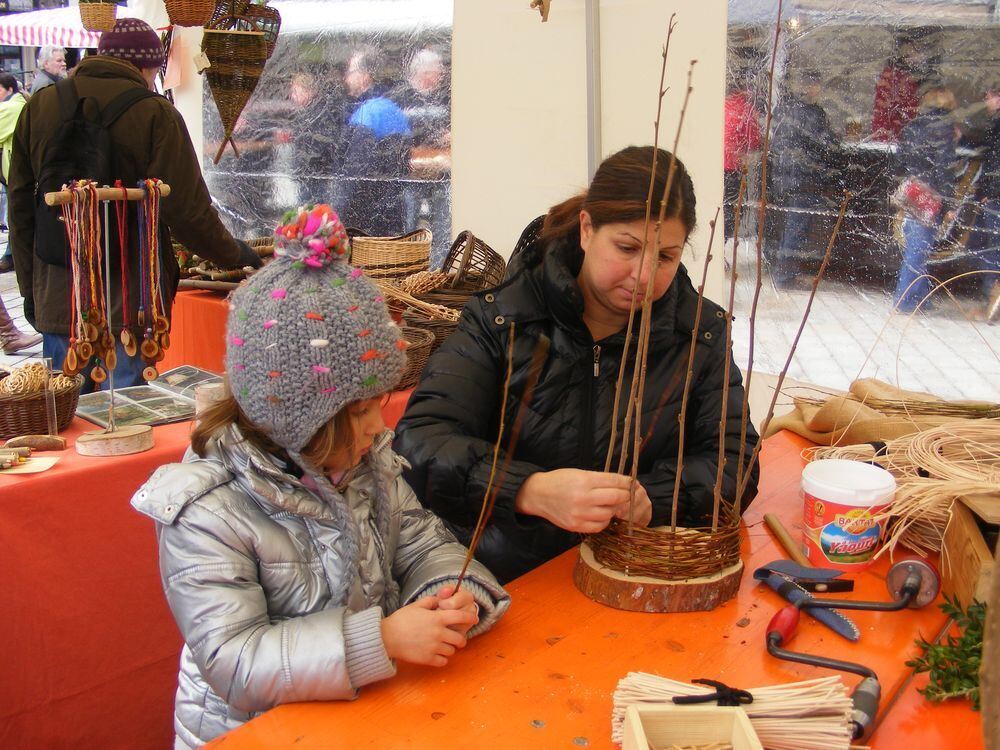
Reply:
x=23, y=408
x=388, y=258
x=471, y=266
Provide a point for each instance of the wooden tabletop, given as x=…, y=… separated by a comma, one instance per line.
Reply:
x=544, y=677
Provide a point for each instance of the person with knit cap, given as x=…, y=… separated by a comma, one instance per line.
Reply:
x=148, y=140
x=296, y=560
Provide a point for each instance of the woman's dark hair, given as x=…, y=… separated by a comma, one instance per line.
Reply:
x=618, y=194
x=9, y=82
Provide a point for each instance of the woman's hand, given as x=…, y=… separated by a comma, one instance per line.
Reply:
x=463, y=600
x=642, y=508
x=423, y=633
x=581, y=501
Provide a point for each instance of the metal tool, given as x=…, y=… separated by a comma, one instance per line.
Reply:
x=911, y=583
x=792, y=582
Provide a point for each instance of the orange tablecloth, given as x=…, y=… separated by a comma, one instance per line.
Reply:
x=90, y=649
x=197, y=331
x=544, y=677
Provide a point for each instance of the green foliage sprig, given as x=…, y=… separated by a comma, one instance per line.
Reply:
x=953, y=665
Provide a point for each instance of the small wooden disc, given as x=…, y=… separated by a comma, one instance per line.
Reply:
x=70, y=363
x=84, y=351
x=111, y=359
x=645, y=594
x=149, y=349
x=161, y=324
x=93, y=316
x=164, y=341
x=129, y=343
x=160, y=356
x=120, y=442
x=98, y=374
x=90, y=332
x=150, y=373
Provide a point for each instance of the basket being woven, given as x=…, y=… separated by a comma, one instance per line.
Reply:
x=441, y=329
x=97, y=16
x=392, y=257
x=25, y=414
x=420, y=343
x=475, y=264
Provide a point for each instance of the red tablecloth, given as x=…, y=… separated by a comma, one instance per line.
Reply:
x=90, y=649
x=197, y=331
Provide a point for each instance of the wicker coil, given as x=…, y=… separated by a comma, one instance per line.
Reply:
x=441, y=329
x=474, y=263
x=419, y=345
x=189, y=12
x=24, y=414
x=97, y=16
x=392, y=257
x=237, y=62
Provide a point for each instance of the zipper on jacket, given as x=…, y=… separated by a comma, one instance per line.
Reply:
x=597, y=360
x=586, y=459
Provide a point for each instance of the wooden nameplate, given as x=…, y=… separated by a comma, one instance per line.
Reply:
x=124, y=440
x=645, y=594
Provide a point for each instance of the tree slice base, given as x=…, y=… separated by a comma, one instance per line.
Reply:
x=121, y=442
x=645, y=594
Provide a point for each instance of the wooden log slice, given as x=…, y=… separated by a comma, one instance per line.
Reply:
x=121, y=442
x=645, y=594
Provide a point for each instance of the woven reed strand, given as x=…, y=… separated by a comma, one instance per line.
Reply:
x=669, y=555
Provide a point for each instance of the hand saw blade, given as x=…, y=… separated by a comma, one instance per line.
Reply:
x=792, y=592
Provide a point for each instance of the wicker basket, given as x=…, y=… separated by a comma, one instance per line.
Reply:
x=441, y=329
x=392, y=257
x=25, y=414
x=474, y=264
x=97, y=17
x=420, y=343
x=189, y=12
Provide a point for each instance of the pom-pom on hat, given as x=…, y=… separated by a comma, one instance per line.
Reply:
x=134, y=41
x=309, y=334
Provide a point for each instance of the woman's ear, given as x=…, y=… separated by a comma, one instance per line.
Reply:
x=586, y=230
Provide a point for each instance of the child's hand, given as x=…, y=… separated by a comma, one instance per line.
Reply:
x=423, y=633
x=463, y=600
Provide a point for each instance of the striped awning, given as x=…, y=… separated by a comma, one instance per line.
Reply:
x=56, y=26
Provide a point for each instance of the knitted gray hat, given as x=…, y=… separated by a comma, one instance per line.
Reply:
x=309, y=334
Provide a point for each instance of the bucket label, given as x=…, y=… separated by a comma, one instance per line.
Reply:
x=840, y=535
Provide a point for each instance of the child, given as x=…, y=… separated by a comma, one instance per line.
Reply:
x=297, y=562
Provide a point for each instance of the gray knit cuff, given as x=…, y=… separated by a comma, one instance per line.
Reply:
x=484, y=601
x=367, y=660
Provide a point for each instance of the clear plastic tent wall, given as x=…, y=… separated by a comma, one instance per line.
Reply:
x=890, y=101
x=353, y=109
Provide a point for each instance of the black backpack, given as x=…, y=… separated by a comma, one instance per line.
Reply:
x=81, y=149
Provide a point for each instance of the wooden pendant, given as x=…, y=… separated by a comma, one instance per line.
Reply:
x=98, y=374
x=129, y=342
x=84, y=351
x=165, y=341
x=150, y=373
x=149, y=349
x=90, y=332
x=70, y=363
x=93, y=316
x=161, y=324
x=111, y=359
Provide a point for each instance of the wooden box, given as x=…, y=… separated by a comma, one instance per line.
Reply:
x=668, y=726
x=967, y=561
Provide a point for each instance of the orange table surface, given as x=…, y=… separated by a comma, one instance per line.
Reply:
x=544, y=677
x=90, y=648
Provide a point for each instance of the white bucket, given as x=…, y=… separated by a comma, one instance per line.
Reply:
x=840, y=500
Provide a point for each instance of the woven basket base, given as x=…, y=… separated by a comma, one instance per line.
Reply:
x=644, y=594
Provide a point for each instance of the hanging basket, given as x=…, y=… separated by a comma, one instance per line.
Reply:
x=237, y=61
x=97, y=16
x=189, y=12
x=392, y=257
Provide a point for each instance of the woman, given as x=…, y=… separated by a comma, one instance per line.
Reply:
x=297, y=563
x=926, y=152
x=573, y=287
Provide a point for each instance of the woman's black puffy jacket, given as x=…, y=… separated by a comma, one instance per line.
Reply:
x=451, y=422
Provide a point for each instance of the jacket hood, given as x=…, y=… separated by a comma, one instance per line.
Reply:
x=102, y=66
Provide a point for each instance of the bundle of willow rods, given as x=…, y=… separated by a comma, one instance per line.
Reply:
x=691, y=552
x=916, y=408
x=933, y=468
x=809, y=715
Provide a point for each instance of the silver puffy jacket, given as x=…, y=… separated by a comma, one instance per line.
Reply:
x=255, y=572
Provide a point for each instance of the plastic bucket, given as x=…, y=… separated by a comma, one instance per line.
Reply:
x=840, y=500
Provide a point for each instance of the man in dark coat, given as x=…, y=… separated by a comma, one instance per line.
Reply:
x=450, y=426
x=804, y=149
x=148, y=141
